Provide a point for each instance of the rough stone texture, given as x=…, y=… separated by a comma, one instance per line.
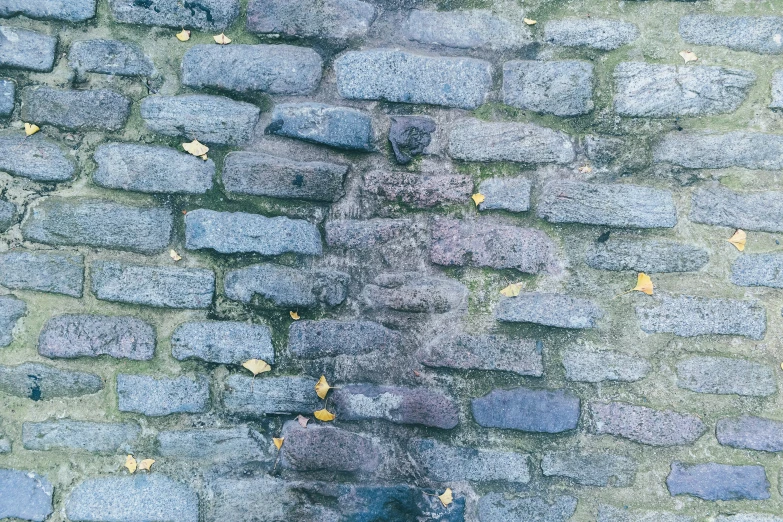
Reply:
x=401, y=405
x=7, y=218
x=99, y=223
x=419, y=190
x=265, y=175
x=512, y=194
x=661, y=91
x=232, y=495
x=758, y=270
x=713, y=481
x=326, y=448
x=748, y=517
x=324, y=338
x=232, y=232
x=760, y=34
x=587, y=365
x=240, y=443
x=42, y=382
x=750, y=150
x=23, y=49
x=558, y=310
x=466, y=29
x=525, y=409
x=158, y=397
x=398, y=76
x=284, y=287
x=109, y=57
x=138, y=498
x=748, y=432
x=562, y=88
x=246, y=396
x=71, y=336
x=339, y=127
x=726, y=376
x=25, y=495
x=617, y=205
x=100, y=109
x=364, y=234
x=649, y=256
x=484, y=352
x=7, y=97
x=777, y=91
x=451, y=463
x=749, y=211
x=324, y=19
x=590, y=469
x=688, y=316
x=151, y=169
x=207, y=15
x=497, y=507
x=409, y=136
x=35, y=157
x=615, y=514
x=11, y=310
x=485, y=243
x=69, y=10
x=275, y=69
x=69, y=435
x=475, y=140
x=166, y=287
x=594, y=33
x=396, y=502
x=223, y=342
x=415, y=293
x=45, y=272
x=645, y=425
x=209, y=119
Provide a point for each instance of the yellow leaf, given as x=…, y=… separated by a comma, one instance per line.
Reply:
x=587, y=169
x=446, y=498
x=130, y=463
x=278, y=442
x=31, y=128
x=738, y=239
x=204, y=157
x=688, y=56
x=529, y=21
x=183, y=36
x=477, y=198
x=294, y=315
x=195, y=148
x=324, y=415
x=174, y=255
x=644, y=284
x=222, y=39
x=146, y=464
x=302, y=421
x=256, y=366
x=322, y=387
x=512, y=290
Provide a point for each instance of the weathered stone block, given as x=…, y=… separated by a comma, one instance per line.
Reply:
x=562, y=88
x=284, y=287
x=512, y=194
x=100, y=109
x=409, y=136
x=69, y=435
x=649, y=256
x=748, y=517
x=750, y=150
x=750, y=211
x=206, y=15
x=326, y=338
x=339, y=127
x=419, y=190
x=614, y=514
x=364, y=234
x=724, y=375
x=559, y=310
x=7, y=215
x=158, y=397
x=324, y=19
x=7, y=97
x=25, y=495
x=35, y=157
x=541, y=411
x=496, y=507
x=594, y=33
x=68, y=10
x=587, y=365
x=23, y=49
x=42, y=382
x=757, y=34
x=109, y=57
x=484, y=352
x=713, y=481
x=214, y=444
x=590, y=469
x=777, y=91
x=758, y=270
x=270, y=396
x=466, y=29
x=321, y=447
x=45, y=272
x=223, y=342
x=748, y=432
x=451, y=463
x=415, y=293
x=71, y=336
x=645, y=425
x=11, y=310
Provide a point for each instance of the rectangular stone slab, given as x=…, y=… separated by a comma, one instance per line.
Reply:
x=23, y=49
x=69, y=10
x=44, y=272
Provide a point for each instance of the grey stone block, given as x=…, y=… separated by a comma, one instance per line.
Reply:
x=25, y=495
x=99, y=223
x=232, y=495
x=151, y=169
x=712, y=481
x=497, y=507
x=613, y=514
x=324, y=19
x=166, y=287
x=283, y=287
x=748, y=432
x=409, y=136
x=484, y=242
x=590, y=469
x=206, y=15
x=688, y=316
x=42, y=382
x=484, y=352
x=246, y=396
x=649, y=256
x=397, y=404
x=588, y=365
x=7, y=97
x=5, y=445
x=475, y=140
x=321, y=447
x=109, y=57
x=777, y=90
x=757, y=34
x=158, y=397
x=750, y=150
x=415, y=293
x=326, y=338
x=23, y=49
x=339, y=127
x=662, y=91
x=68, y=10
x=758, y=270
x=71, y=336
x=265, y=175
x=644, y=425
x=239, y=443
x=365, y=234
x=132, y=498
x=512, y=194
x=209, y=119
x=399, y=76
x=223, y=342
x=466, y=29
x=100, y=109
x=418, y=190
x=452, y=463
x=35, y=157
x=562, y=88
x=750, y=211
x=70, y=435
x=525, y=409
x=749, y=517
x=44, y=272
x=558, y=310
x=594, y=33
x=615, y=204
x=7, y=217
x=726, y=376
x=11, y=310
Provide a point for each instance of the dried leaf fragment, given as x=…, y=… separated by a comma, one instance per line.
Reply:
x=204, y=157
x=738, y=239
x=302, y=420
x=528, y=21
x=278, y=442
x=257, y=366
x=294, y=315
x=446, y=498
x=688, y=56
x=195, y=148
x=324, y=415
x=477, y=198
x=512, y=290
x=183, y=36
x=644, y=284
x=222, y=39
x=30, y=129
x=173, y=254
x=585, y=169
x=130, y=463
x=146, y=464
x=322, y=387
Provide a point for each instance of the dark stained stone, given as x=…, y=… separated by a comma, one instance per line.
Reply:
x=285, y=287
x=409, y=136
x=109, y=57
x=749, y=211
x=558, y=310
x=224, y=342
x=158, y=397
x=497, y=507
x=712, y=481
x=415, y=293
x=95, y=437
x=525, y=409
x=419, y=190
x=207, y=15
x=364, y=234
x=25, y=495
x=35, y=157
x=396, y=503
x=270, y=395
x=645, y=425
x=590, y=469
x=23, y=49
x=43, y=271
x=7, y=96
x=338, y=20
x=11, y=310
x=649, y=256
x=339, y=127
x=322, y=447
x=71, y=336
x=310, y=339
x=749, y=432
x=724, y=375
x=69, y=10
x=79, y=110
x=484, y=352
x=42, y=382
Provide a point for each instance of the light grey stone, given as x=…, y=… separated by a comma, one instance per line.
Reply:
x=109, y=57
x=42, y=382
x=496, y=507
x=475, y=140
x=206, y=15
x=68, y=10
x=5, y=445
x=159, y=397
x=750, y=150
x=99, y=109
x=365, y=234
x=70, y=336
x=484, y=352
x=750, y=210
x=239, y=443
x=42, y=271
x=594, y=33
x=245, y=396
x=399, y=76
x=512, y=194
x=324, y=19
x=649, y=256
x=35, y=157
x=284, y=287
x=95, y=437
x=726, y=376
x=758, y=270
x=558, y=310
x=452, y=463
x=418, y=190
x=613, y=514
x=777, y=90
x=526, y=409
x=562, y=88
x=339, y=127
x=712, y=481
x=757, y=34
x=231, y=495
x=662, y=91
x=223, y=342
x=415, y=293
x=11, y=310
x=326, y=338
x=590, y=469
x=23, y=49
x=749, y=517
x=589, y=365
x=644, y=425
x=7, y=97
x=466, y=29
x=25, y=495
x=748, y=432
x=7, y=218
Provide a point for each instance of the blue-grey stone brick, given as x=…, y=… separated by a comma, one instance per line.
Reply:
x=558, y=310
x=644, y=425
x=484, y=352
x=35, y=157
x=224, y=342
x=466, y=29
x=363, y=234
x=750, y=150
x=25, y=495
x=749, y=432
x=326, y=338
x=497, y=507
x=413, y=292
x=339, y=127
x=453, y=463
x=647, y=255
x=512, y=194
x=95, y=437
x=589, y=365
x=756, y=34
x=525, y=409
x=11, y=310
x=562, y=88
x=250, y=397
x=284, y=287
x=99, y=109
x=7, y=216
x=324, y=447
x=750, y=211
x=43, y=271
x=159, y=397
x=23, y=49
x=7, y=97
x=726, y=376
x=240, y=444
x=206, y=15
x=338, y=20
x=109, y=57
x=608, y=513
x=712, y=481
x=758, y=270
x=68, y=10
x=81, y=335
x=590, y=469
x=42, y=382
x=593, y=33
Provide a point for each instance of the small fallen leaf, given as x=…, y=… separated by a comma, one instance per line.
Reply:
x=256, y=366
x=204, y=157
x=294, y=315
x=302, y=421
x=324, y=415
x=146, y=464
x=183, y=36
x=512, y=290
x=446, y=498
x=130, y=463
x=644, y=284
x=31, y=128
x=322, y=387
x=587, y=169
x=173, y=254
x=688, y=56
x=738, y=239
x=278, y=442
x=477, y=198
x=222, y=39
x=528, y=21
x=195, y=148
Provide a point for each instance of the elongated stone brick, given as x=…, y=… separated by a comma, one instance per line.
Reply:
x=207, y=15
x=777, y=91
x=95, y=437
x=750, y=150
x=215, y=444
x=594, y=33
x=100, y=109
x=449, y=463
x=415, y=293
x=7, y=97
x=270, y=396
x=724, y=375
x=512, y=194
x=285, y=287
x=714, y=481
x=158, y=397
x=23, y=49
x=758, y=270
x=35, y=157
x=25, y=495
x=749, y=432
x=484, y=352
x=326, y=338
x=7, y=215
x=45, y=272
x=365, y=234
x=590, y=469
x=322, y=447
x=71, y=336
x=649, y=256
x=497, y=507
x=750, y=211
x=466, y=29
x=559, y=310
x=11, y=310
x=614, y=514
x=587, y=365
x=748, y=517
x=339, y=127
x=42, y=382
x=224, y=342
x=562, y=88
x=69, y=10
x=324, y=19
x=644, y=425
x=109, y=57
x=419, y=190
x=757, y=34
x=525, y=409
